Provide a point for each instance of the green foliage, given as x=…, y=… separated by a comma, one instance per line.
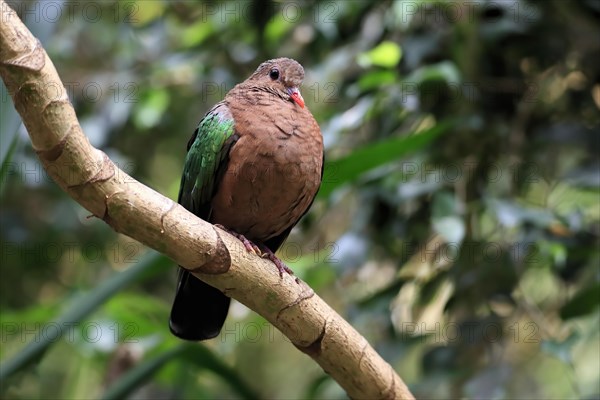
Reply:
x=386, y=54
x=457, y=227
x=350, y=167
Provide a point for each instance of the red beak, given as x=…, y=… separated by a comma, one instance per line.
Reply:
x=296, y=96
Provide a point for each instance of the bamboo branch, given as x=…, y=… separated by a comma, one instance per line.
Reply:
x=131, y=208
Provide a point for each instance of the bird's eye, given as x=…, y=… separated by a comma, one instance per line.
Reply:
x=274, y=74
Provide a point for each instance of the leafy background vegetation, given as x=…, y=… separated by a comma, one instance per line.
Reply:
x=457, y=227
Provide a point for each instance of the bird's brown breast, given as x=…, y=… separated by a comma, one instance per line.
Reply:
x=274, y=169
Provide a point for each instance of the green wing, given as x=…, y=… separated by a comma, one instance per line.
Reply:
x=206, y=160
x=199, y=310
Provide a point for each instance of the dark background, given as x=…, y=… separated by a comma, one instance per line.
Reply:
x=457, y=227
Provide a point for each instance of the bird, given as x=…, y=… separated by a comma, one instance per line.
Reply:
x=253, y=166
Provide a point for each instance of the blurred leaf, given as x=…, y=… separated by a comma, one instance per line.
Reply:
x=539, y=285
x=375, y=79
x=142, y=12
x=9, y=137
x=510, y=213
x=38, y=313
x=558, y=252
x=320, y=277
x=9, y=123
x=149, y=313
x=313, y=391
x=348, y=168
x=202, y=357
x=584, y=302
x=562, y=349
x=444, y=217
x=444, y=71
x=565, y=199
x=152, y=264
x=451, y=228
x=277, y=27
x=195, y=354
x=585, y=177
x=196, y=33
x=150, y=111
x=141, y=373
x=444, y=205
x=386, y=54
x=7, y=165
x=489, y=384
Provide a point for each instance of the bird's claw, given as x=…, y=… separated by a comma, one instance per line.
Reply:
x=281, y=267
x=248, y=245
x=261, y=251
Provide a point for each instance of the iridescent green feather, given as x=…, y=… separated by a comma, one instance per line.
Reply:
x=205, y=163
x=207, y=155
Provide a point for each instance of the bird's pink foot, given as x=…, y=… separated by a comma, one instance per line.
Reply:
x=281, y=267
x=250, y=247
x=262, y=251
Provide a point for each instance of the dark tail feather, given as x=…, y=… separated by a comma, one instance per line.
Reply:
x=199, y=310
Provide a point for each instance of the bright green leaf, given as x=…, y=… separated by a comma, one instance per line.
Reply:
x=386, y=54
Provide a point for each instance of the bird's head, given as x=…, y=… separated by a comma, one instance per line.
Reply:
x=283, y=75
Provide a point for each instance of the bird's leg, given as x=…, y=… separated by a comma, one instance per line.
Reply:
x=250, y=247
x=262, y=251
x=268, y=254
